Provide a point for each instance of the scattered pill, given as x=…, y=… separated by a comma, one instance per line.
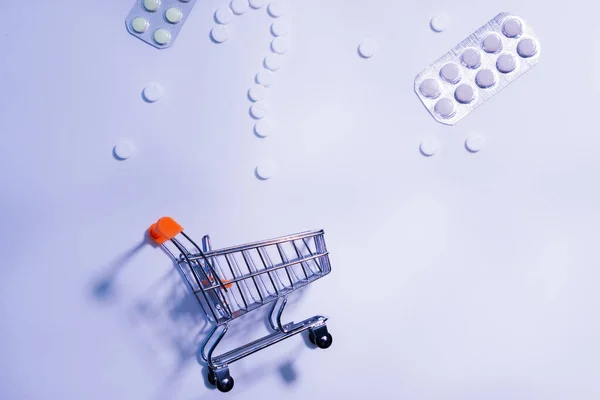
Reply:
x=464, y=93
x=162, y=36
x=259, y=110
x=280, y=27
x=224, y=15
x=368, y=48
x=273, y=62
x=512, y=28
x=263, y=129
x=445, y=108
x=140, y=24
x=492, y=43
x=220, y=33
x=257, y=92
x=173, y=15
x=506, y=63
x=485, y=78
x=124, y=149
x=474, y=143
x=439, y=23
x=471, y=58
x=450, y=73
x=258, y=3
x=428, y=147
x=280, y=45
x=265, y=78
x=265, y=170
x=527, y=48
x=151, y=5
x=278, y=8
x=239, y=7
x=429, y=88
x=153, y=92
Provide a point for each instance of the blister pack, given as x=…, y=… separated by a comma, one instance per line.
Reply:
x=158, y=22
x=477, y=68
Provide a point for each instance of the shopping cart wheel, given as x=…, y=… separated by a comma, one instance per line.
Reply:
x=225, y=384
x=320, y=337
x=211, y=378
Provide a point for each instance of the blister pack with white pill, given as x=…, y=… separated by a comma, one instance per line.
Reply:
x=158, y=22
x=477, y=68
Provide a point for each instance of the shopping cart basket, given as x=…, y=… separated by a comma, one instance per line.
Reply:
x=231, y=282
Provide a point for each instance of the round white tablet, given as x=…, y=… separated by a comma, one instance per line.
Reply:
x=273, y=61
x=278, y=8
x=280, y=27
x=153, y=92
x=450, y=73
x=266, y=170
x=439, y=23
x=173, y=15
x=485, y=78
x=527, y=48
x=471, y=58
x=258, y=3
x=464, y=93
x=124, y=149
x=506, y=63
x=239, y=7
x=474, y=143
x=259, y=110
x=429, y=88
x=280, y=45
x=492, y=43
x=265, y=78
x=257, y=92
x=151, y=5
x=512, y=28
x=220, y=33
x=445, y=108
x=162, y=36
x=368, y=48
x=428, y=147
x=224, y=15
x=263, y=129
x=140, y=24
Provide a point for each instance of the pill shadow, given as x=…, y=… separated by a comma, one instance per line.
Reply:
x=115, y=156
x=256, y=174
x=424, y=154
x=360, y=54
x=468, y=149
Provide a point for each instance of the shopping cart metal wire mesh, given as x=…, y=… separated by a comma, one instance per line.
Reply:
x=234, y=281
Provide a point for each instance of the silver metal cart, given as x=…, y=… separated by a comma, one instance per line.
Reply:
x=231, y=282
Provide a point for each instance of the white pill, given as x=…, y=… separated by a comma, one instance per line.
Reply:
x=512, y=28
x=265, y=78
x=506, y=63
x=445, y=108
x=474, y=143
x=124, y=149
x=139, y=24
x=280, y=45
x=151, y=5
x=428, y=147
x=471, y=58
x=450, y=73
x=266, y=170
x=273, y=62
x=173, y=15
x=464, y=93
x=257, y=92
x=239, y=7
x=368, y=48
x=280, y=27
x=153, y=92
x=258, y=3
x=439, y=23
x=278, y=8
x=220, y=33
x=492, y=43
x=162, y=36
x=485, y=78
x=259, y=110
x=263, y=129
x=527, y=48
x=224, y=15
x=429, y=88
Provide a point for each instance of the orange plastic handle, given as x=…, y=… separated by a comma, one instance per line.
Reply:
x=164, y=229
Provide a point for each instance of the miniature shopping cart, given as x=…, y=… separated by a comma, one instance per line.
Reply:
x=234, y=281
